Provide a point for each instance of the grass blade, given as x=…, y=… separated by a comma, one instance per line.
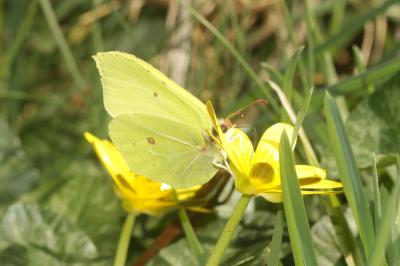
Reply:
x=301, y=115
x=352, y=28
x=378, y=250
x=360, y=63
x=295, y=212
x=377, y=196
x=240, y=59
x=349, y=174
x=288, y=79
x=62, y=43
x=276, y=243
x=361, y=80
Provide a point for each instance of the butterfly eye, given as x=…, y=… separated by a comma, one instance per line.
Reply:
x=225, y=124
x=224, y=128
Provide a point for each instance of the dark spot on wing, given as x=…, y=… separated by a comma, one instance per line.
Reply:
x=155, y=94
x=203, y=149
x=153, y=165
x=163, y=82
x=133, y=144
x=151, y=140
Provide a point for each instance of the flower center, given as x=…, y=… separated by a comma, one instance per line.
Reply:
x=263, y=172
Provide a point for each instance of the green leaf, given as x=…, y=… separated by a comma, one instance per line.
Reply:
x=352, y=27
x=249, y=247
x=91, y=204
x=295, y=212
x=371, y=76
x=326, y=242
x=349, y=174
x=17, y=175
x=384, y=232
x=377, y=196
x=374, y=125
x=40, y=237
x=276, y=243
x=300, y=116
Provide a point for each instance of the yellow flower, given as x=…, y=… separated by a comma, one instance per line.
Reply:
x=138, y=193
x=257, y=172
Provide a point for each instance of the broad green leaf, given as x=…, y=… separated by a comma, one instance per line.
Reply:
x=295, y=213
x=40, y=237
x=90, y=203
x=17, y=174
x=325, y=240
x=349, y=174
x=374, y=125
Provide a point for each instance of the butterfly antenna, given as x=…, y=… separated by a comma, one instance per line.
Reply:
x=240, y=111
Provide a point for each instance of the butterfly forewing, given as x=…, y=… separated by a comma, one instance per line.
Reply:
x=134, y=86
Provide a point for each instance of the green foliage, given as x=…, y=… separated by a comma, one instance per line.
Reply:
x=57, y=205
x=33, y=236
x=374, y=124
x=295, y=212
x=349, y=174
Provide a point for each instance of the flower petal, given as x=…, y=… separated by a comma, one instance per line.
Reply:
x=239, y=150
x=309, y=174
x=273, y=135
x=323, y=186
x=274, y=197
x=108, y=155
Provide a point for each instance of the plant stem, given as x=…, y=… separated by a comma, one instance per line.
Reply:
x=123, y=243
x=228, y=231
x=190, y=234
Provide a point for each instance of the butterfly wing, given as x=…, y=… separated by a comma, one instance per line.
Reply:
x=133, y=86
x=163, y=149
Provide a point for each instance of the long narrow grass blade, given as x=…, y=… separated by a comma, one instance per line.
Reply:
x=276, y=243
x=23, y=31
x=377, y=196
x=288, y=79
x=361, y=80
x=353, y=27
x=295, y=212
x=62, y=43
x=301, y=115
x=240, y=59
x=310, y=44
x=378, y=250
x=361, y=66
x=349, y=174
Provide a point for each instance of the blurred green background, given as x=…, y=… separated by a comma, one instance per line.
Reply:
x=57, y=206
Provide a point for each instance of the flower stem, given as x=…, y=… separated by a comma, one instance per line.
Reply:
x=190, y=234
x=123, y=243
x=228, y=232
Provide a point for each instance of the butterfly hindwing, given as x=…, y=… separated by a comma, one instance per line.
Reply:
x=164, y=150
